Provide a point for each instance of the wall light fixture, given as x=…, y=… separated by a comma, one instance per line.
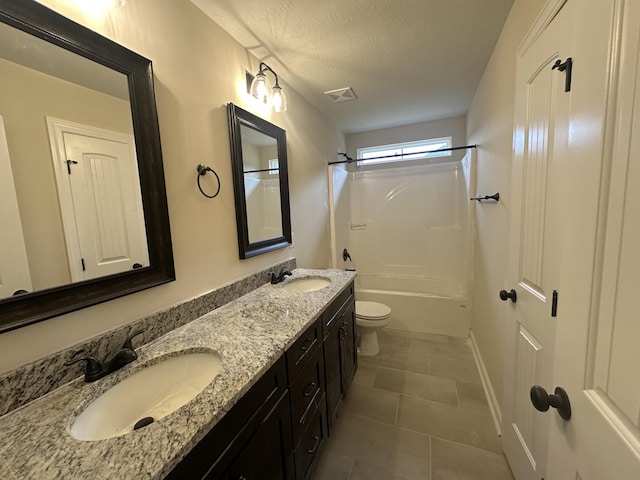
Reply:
x=262, y=90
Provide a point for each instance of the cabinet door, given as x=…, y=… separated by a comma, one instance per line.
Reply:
x=348, y=353
x=269, y=452
x=333, y=371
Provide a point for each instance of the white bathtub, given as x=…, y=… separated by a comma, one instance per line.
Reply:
x=418, y=304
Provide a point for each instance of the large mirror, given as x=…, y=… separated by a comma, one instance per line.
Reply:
x=84, y=210
x=260, y=183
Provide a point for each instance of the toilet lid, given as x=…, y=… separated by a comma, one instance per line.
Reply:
x=372, y=310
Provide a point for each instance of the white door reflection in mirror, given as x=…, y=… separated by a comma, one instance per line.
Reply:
x=101, y=207
x=14, y=266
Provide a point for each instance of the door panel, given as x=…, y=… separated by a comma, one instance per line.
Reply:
x=599, y=278
x=541, y=106
x=105, y=205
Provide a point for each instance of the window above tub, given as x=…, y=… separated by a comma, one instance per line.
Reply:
x=402, y=152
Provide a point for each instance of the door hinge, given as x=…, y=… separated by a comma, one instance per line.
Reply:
x=69, y=162
x=83, y=267
x=565, y=67
x=554, y=304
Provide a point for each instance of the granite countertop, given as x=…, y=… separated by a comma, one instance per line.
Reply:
x=249, y=334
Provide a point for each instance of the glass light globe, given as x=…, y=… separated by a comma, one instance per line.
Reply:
x=260, y=87
x=278, y=99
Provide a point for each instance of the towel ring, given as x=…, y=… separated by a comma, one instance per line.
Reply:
x=202, y=170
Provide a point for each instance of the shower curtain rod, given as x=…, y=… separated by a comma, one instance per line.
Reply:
x=351, y=160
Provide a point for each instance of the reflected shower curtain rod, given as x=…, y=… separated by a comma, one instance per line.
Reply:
x=351, y=160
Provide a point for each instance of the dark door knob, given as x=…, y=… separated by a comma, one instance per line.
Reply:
x=504, y=295
x=542, y=400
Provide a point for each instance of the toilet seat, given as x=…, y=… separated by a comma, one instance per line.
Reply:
x=372, y=310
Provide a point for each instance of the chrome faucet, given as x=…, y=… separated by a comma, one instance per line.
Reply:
x=96, y=370
x=280, y=277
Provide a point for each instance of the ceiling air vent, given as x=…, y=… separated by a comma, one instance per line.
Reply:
x=341, y=95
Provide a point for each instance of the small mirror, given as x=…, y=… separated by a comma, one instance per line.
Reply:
x=260, y=182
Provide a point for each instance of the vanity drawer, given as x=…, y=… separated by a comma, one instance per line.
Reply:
x=307, y=453
x=332, y=312
x=303, y=349
x=307, y=394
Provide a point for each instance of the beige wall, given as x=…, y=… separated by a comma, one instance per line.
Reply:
x=29, y=97
x=454, y=127
x=198, y=69
x=490, y=125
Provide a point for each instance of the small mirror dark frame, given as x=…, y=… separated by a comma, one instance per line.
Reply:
x=36, y=19
x=238, y=117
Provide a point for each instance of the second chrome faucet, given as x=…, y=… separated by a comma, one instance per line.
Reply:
x=96, y=370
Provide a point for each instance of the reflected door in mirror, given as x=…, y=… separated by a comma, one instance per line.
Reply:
x=99, y=196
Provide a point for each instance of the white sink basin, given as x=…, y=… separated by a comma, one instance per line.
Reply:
x=306, y=284
x=154, y=391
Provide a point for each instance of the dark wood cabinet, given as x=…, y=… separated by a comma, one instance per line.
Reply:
x=348, y=350
x=268, y=453
x=277, y=430
x=258, y=412
x=340, y=356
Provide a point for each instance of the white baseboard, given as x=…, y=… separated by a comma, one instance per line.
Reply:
x=494, y=406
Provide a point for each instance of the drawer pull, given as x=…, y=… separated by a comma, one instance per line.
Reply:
x=310, y=408
x=315, y=446
x=309, y=389
x=307, y=344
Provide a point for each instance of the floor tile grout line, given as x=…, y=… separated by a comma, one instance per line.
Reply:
x=416, y=373
x=430, y=458
x=468, y=410
x=406, y=429
x=395, y=423
x=353, y=463
x=460, y=444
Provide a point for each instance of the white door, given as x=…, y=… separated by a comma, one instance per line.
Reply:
x=597, y=343
x=14, y=266
x=540, y=142
x=101, y=207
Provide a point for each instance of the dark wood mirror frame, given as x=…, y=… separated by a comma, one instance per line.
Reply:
x=238, y=117
x=36, y=19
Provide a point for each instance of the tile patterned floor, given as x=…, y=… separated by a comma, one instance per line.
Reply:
x=416, y=411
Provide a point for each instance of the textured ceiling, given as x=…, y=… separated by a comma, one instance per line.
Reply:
x=407, y=61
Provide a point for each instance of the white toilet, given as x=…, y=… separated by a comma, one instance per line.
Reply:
x=370, y=317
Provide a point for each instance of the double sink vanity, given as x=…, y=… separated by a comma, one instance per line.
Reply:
x=247, y=391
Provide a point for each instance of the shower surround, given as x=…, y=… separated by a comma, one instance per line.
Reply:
x=406, y=228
